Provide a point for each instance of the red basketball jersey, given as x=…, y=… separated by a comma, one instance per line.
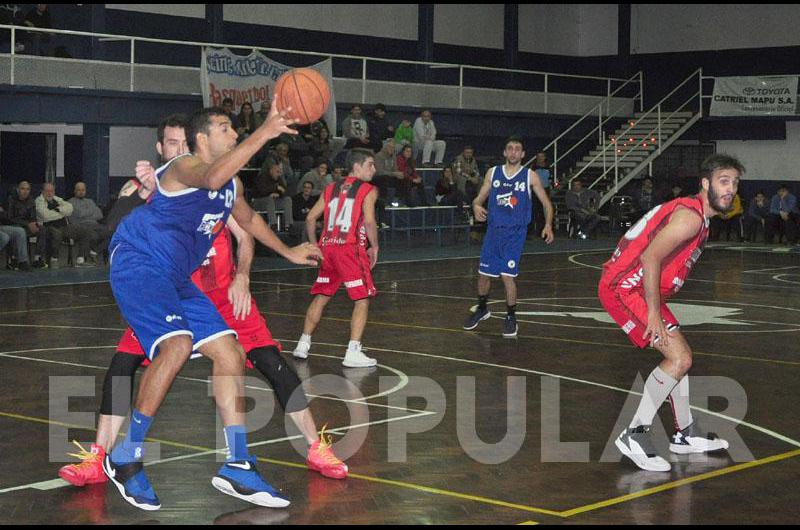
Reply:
x=218, y=269
x=624, y=270
x=344, y=212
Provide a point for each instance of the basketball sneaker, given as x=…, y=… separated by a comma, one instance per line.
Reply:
x=693, y=439
x=132, y=483
x=355, y=358
x=637, y=445
x=240, y=479
x=476, y=318
x=321, y=458
x=301, y=350
x=510, y=327
x=89, y=471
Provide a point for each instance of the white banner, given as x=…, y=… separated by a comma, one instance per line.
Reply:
x=755, y=96
x=252, y=78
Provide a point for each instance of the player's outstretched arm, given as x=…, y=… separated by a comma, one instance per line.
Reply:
x=682, y=226
x=371, y=226
x=483, y=194
x=252, y=223
x=194, y=173
x=541, y=194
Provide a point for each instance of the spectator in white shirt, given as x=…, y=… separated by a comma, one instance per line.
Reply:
x=425, y=140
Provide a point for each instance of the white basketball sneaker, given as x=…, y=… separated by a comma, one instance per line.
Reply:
x=301, y=350
x=693, y=439
x=637, y=445
x=354, y=358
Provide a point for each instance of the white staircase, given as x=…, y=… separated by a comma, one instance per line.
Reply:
x=613, y=159
x=628, y=151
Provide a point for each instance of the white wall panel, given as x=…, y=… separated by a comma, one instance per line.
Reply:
x=178, y=10
x=478, y=25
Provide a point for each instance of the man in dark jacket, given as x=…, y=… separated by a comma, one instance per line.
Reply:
x=22, y=212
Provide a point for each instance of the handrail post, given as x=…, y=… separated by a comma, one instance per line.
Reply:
x=608, y=97
x=133, y=63
x=546, y=92
x=461, y=87
x=641, y=92
x=616, y=168
x=13, y=52
x=555, y=162
x=363, y=80
x=700, y=98
x=659, y=128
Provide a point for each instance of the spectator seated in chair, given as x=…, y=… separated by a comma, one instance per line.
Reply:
x=582, y=204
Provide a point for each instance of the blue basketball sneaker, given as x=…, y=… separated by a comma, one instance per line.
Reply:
x=132, y=483
x=240, y=479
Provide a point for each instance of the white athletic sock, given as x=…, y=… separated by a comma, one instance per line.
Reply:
x=679, y=399
x=305, y=338
x=354, y=345
x=656, y=389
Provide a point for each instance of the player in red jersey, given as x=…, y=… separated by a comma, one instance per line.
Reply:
x=349, y=221
x=650, y=265
x=228, y=288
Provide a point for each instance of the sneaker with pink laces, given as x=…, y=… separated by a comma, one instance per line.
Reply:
x=321, y=458
x=89, y=471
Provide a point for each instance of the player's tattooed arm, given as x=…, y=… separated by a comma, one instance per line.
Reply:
x=477, y=205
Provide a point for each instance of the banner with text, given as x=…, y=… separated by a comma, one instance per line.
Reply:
x=252, y=78
x=755, y=96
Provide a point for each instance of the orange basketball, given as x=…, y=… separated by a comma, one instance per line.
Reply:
x=306, y=91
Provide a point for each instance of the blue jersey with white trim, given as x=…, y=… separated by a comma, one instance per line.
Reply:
x=510, y=198
x=178, y=228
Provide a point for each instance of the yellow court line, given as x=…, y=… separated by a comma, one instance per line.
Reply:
x=377, y=480
x=541, y=337
x=679, y=483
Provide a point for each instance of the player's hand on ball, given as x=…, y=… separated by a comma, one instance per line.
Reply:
x=480, y=213
x=547, y=234
x=278, y=122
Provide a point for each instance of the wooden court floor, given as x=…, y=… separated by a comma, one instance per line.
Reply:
x=496, y=430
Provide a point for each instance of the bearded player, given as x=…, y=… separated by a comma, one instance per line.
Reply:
x=651, y=263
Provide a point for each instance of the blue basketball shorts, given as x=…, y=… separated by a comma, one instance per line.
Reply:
x=502, y=249
x=157, y=306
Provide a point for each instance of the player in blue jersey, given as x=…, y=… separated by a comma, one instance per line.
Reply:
x=508, y=189
x=153, y=253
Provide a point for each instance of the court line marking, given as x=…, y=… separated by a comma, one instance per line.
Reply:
x=573, y=259
x=562, y=514
x=407, y=485
x=678, y=483
x=403, y=378
x=757, y=428
x=298, y=268
x=780, y=278
x=772, y=269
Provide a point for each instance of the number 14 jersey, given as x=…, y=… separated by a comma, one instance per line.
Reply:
x=344, y=217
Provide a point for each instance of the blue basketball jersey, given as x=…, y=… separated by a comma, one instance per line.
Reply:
x=177, y=229
x=510, y=198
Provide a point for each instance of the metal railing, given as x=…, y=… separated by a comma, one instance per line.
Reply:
x=604, y=85
x=653, y=136
x=602, y=116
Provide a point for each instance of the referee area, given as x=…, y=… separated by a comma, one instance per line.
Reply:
x=452, y=426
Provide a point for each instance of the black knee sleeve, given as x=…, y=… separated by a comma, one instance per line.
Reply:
x=118, y=384
x=281, y=377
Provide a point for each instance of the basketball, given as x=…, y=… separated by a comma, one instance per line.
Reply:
x=306, y=92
